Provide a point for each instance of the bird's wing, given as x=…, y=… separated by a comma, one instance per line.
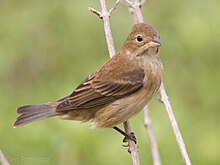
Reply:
x=105, y=86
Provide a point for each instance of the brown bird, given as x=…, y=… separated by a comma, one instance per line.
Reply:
x=115, y=92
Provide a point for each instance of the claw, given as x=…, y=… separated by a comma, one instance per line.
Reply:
x=125, y=145
x=130, y=136
x=127, y=136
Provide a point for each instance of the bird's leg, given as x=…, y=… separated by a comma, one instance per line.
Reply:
x=127, y=136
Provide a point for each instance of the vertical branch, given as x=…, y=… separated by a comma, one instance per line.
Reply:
x=134, y=7
x=108, y=34
x=179, y=138
x=136, y=12
x=104, y=15
x=3, y=160
x=132, y=146
x=152, y=139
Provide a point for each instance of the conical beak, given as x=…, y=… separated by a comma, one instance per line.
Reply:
x=155, y=42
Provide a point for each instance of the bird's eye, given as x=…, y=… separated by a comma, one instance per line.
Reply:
x=139, y=38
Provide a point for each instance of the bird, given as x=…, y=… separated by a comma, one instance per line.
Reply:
x=115, y=92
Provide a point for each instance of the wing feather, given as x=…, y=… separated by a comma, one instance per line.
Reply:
x=96, y=91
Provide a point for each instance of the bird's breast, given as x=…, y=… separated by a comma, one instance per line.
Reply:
x=122, y=109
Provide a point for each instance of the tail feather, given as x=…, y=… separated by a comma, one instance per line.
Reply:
x=31, y=113
x=34, y=108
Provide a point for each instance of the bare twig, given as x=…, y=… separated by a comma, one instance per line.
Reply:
x=152, y=139
x=95, y=12
x=137, y=16
x=175, y=127
x=3, y=160
x=132, y=146
x=114, y=7
x=108, y=33
x=134, y=8
x=142, y=2
x=104, y=15
x=127, y=2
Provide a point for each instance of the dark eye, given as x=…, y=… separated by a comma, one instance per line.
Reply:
x=139, y=38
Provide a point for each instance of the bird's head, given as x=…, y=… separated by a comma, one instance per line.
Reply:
x=143, y=38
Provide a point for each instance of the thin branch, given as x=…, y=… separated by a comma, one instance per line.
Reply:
x=3, y=160
x=104, y=14
x=132, y=146
x=137, y=16
x=108, y=33
x=174, y=124
x=142, y=2
x=152, y=139
x=114, y=7
x=134, y=8
x=127, y=3
x=95, y=12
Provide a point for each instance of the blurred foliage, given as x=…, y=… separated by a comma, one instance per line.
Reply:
x=47, y=47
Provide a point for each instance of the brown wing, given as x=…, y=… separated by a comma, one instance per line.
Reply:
x=99, y=89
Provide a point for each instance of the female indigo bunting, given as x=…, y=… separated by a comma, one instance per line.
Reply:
x=116, y=91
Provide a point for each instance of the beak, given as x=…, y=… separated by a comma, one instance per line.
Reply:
x=155, y=42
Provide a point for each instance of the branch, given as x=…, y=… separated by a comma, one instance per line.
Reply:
x=134, y=8
x=137, y=16
x=179, y=138
x=3, y=160
x=132, y=146
x=95, y=12
x=114, y=7
x=104, y=15
x=152, y=139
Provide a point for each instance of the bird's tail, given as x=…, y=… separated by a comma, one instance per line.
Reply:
x=31, y=113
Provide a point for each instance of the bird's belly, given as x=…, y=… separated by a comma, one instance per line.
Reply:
x=122, y=109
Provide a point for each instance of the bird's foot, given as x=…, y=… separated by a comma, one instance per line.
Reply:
x=127, y=136
x=130, y=136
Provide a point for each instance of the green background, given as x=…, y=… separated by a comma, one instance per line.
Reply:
x=47, y=47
